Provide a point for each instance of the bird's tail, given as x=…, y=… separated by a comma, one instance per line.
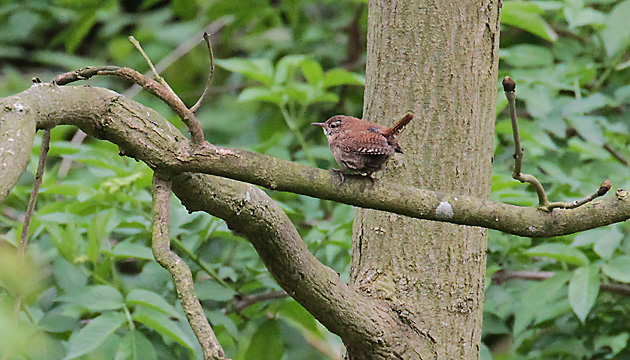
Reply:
x=397, y=128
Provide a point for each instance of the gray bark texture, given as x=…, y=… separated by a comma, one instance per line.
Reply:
x=438, y=58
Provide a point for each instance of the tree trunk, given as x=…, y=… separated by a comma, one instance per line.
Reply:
x=440, y=59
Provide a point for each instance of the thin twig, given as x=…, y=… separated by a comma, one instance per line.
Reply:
x=156, y=75
x=603, y=189
x=501, y=276
x=183, y=49
x=28, y=216
x=36, y=186
x=509, y=86
x=244, y=301
x=206, y=37
x=152, y=86
x=182, y=276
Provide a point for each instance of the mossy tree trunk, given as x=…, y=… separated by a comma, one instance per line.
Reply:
x=439, y=59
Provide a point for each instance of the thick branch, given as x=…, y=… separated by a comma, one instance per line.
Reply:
x=141, y=133
x=250, y=212
x=17, y=133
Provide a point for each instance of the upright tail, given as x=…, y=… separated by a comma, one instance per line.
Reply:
x=393, y=131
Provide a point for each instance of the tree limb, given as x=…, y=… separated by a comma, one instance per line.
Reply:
x=180, y=272
x=143, y=134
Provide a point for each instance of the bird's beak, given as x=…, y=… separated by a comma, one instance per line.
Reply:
x=318, y=124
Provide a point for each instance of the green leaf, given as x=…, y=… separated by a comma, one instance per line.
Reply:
x=336, y=77
x=257, y=69
x=210, y=290
x=261, y=94
x=97, y=234
x=266, y=343
x=618, y=268
x=285, y=69
x=128, y=249
x=135, y=346
x=560, y=252
x=583, y=290
x=161, y=323
x=527, y=16
x=152, y=300
x=527, y=56
x=94, y=334
x=537, y=297
x=96, y=298
x=313, y=72
x=604, y=240
x=616, y=35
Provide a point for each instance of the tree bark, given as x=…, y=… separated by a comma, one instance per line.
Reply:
x=439, y=59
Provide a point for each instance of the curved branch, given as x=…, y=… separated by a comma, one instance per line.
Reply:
x=141, y=133
x=250, y=212
x=17, y=133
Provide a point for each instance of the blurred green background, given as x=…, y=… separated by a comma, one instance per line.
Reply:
x=91, y=289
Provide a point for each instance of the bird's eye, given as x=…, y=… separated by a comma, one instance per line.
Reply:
x=335, y=124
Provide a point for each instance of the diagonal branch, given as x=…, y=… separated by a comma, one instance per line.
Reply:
x=180, y=272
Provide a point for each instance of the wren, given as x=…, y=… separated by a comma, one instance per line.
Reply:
x=360, y=146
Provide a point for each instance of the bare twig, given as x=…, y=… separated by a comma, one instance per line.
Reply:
x=603, y=189
x=509, y=86
x=183, y=49
x=152, y=86
x=180, y=272
x=501, y=276
x=243, y=301
x=156, y=75
x=21, y=250
x=36, y=186
x=206, y=37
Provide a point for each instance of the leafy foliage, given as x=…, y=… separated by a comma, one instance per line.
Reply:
x=91, y=289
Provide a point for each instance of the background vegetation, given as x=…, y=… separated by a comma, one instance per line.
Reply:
x=92, y=289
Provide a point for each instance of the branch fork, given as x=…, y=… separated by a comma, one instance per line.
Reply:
x=509, y=86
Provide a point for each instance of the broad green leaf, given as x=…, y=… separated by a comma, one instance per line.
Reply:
x=55, y=323
x=286, y=67
x=96, y=298
x=616, y=36
x=604, y=240
x=257, y=69
x=135, y=346
x=527, y=16
x=127, y=249
x=618, y=268
x=337, y=77
x=560, y=252
x=614, y=343
x=217, y=317
x=97, y=234
x=68, y=276
x=527, y=56
x=161, y=323
x=313, y=72
x=538, y=296
x=266, y=343
x=583, y=290
x=94, y=334
x=210, y=290
x=589, y=128
x=152, y=300
x=261, y=94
